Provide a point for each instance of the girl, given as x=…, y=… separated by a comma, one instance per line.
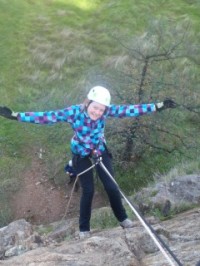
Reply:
x=88, y=123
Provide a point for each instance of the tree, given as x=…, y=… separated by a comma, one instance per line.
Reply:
x=158, y=64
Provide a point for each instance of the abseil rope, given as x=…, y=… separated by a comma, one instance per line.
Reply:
x=72, y=191
x=150, y=230
x=152, y=233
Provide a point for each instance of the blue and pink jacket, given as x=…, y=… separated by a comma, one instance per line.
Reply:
x=88, y=134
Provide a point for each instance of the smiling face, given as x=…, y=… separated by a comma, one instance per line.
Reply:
x=95, y=110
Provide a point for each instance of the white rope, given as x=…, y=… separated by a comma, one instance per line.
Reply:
x=72, y=191
x=130, y=205
x=139, y=217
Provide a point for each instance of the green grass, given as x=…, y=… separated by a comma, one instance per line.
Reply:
x=53, y=51
x=103, y=218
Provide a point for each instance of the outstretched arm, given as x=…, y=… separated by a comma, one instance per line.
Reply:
x=139, y=109
x=47, y=117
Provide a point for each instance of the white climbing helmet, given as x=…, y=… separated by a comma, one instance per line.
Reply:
x=99, y=94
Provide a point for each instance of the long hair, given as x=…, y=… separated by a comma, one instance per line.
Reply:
x=85, y=104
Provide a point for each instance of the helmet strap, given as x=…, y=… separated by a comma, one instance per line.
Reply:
x=86, y=107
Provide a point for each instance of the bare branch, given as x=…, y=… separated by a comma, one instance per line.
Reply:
x=144, y=71
x=129, y=49
x=189, y=108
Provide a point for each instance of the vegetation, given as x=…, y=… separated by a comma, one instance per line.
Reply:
x=53, y=51
x=104, y=218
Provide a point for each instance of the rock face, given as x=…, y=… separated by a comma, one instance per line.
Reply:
x=169, y=195
x=117, y=247
x=16, y=238
x=22, y=244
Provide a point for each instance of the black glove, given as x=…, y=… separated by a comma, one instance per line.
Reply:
x=167, y=103
x=8, y=113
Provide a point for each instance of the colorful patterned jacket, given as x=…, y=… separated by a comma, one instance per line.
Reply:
x=88, y=134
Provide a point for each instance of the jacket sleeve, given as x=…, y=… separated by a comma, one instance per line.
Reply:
x=136, y=110
x=49, y=117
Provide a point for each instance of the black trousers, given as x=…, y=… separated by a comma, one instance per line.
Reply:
x=87, y=185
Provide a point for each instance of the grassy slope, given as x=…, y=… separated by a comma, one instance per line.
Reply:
x=48, y=51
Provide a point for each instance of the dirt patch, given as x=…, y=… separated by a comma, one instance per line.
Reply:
x=40, y=201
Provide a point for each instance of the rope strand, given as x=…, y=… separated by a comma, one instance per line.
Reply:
x=153, y=235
